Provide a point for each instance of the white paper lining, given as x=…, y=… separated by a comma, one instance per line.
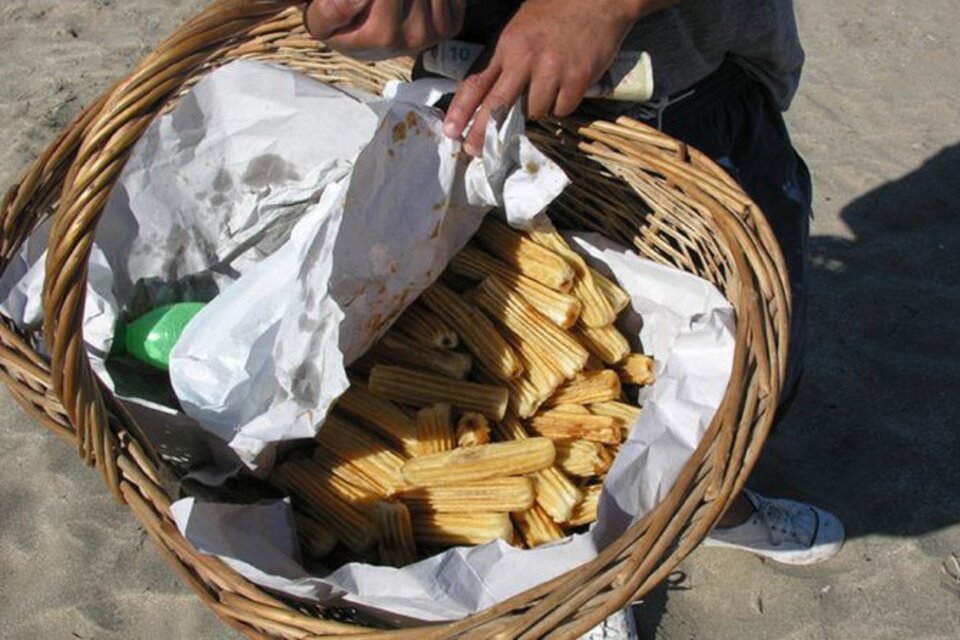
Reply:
x=309, y=216
x=687, y=326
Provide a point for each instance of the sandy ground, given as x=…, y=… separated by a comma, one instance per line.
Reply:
x=873, y=435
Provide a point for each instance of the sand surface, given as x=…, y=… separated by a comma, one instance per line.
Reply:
x=874, y=434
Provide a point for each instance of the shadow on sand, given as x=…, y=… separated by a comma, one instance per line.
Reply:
x=874, y=431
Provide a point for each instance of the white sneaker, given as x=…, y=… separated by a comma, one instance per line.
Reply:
x=784, y=531
x=619, y=626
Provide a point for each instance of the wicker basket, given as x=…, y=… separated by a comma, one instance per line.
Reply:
x=630, y=183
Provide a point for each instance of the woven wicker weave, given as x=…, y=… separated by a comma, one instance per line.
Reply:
x=631, y=183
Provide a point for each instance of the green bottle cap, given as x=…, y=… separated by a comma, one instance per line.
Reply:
x=151, y=337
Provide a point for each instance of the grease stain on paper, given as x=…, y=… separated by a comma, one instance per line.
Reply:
x=268, y=170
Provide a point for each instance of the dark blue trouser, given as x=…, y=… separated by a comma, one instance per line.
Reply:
x=731, y=118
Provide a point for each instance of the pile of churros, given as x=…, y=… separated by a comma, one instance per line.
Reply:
x=493, y=408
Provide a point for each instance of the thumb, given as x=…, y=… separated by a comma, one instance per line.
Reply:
x=324, y=17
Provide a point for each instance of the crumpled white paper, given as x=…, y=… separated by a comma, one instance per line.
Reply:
x=21, y=285
x=264, y=361
x=307, y=215
x=689, y=328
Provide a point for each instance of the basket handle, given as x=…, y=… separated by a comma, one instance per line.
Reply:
x=126, y=112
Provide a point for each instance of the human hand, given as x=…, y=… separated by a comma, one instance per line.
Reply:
x=378, y=29
x=551, y=52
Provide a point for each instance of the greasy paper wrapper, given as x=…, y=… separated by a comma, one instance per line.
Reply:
x=378, y=237
x=307, y=217
x=681, y=320
x=255, y=194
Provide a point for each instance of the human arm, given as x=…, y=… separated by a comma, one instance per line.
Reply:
x=551, y=52
x=378, y=29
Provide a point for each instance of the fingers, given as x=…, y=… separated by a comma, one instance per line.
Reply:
x=379, y=35
x=507, y=89
x=542, y=94
x=549, y=90
x=323, y=18
x=494, y=90
x=470, y=94
x=576, y=82
x=377, y=29
x=448, y=17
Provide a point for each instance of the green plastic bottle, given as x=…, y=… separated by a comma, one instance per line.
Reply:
x=151, y=337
